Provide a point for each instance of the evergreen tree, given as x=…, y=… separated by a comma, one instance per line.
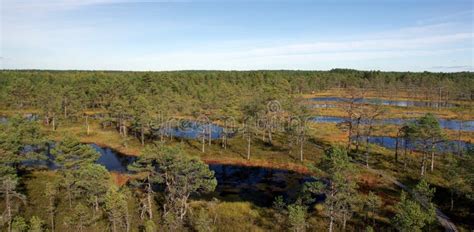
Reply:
x=423, y=191
x=116, y=207
x=145, y=165
x=297, y=218
x=36, y=224
x=19, y=224
x=20, y=140
x=143, y=115
x=150, y=226
x=51, y=194
x=341, y=191
x=202, y=221
x=182, y=176
x=250, y=116
x=70, y=154
x=49, y=104
x=370, y=113
x=372, y=205
x=80, y=217
x=8, y=189
x=429, y=132
x=73, y=159
x=410, y=215
x=93, y=181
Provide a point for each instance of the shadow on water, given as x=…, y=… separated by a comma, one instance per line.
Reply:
x=255, y=184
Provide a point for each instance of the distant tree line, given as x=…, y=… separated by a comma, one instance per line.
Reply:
x=192, y=90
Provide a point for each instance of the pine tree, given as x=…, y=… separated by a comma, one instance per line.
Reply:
x=51, y=193
x=410, y=215
x=341, y=191
x=145, y=165
x=142, y=115
x=80, y=217
x=455, y=180
x=93, y=181
x=70, y=154
x=15, y=136
x=297, y=217
x=251, y=112
x=150, y=226
x=36, y=224
x=429, y=132
x=370, y=113
x=19, y=224
x=424, y=192
x=8, y=190
x=372, y=205
x=116, y=207
x=49, y=103
x=72, y=157
x=182, y=176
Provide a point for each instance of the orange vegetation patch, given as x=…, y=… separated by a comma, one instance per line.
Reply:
x=368, y=181
x=119, y=179
x=299, y=168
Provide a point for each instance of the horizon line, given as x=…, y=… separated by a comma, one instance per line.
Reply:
x=232, y=70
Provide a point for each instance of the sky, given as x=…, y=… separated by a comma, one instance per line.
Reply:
x=387, y=35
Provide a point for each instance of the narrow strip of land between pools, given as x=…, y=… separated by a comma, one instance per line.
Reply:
x=298, y=168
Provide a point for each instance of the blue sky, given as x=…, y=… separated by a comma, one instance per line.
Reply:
x=398, y=35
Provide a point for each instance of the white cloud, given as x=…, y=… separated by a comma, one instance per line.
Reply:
x=448, y=17
x=303, y=55
x=362, y=45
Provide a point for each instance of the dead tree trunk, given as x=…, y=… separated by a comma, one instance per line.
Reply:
x=248, y=146
x=87, y=125
x=203, y=136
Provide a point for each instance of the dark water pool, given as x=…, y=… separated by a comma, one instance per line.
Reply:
x=444, y=123
x=235, y=183
x=401, y=103
x=113, y=160
x=256, y=184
